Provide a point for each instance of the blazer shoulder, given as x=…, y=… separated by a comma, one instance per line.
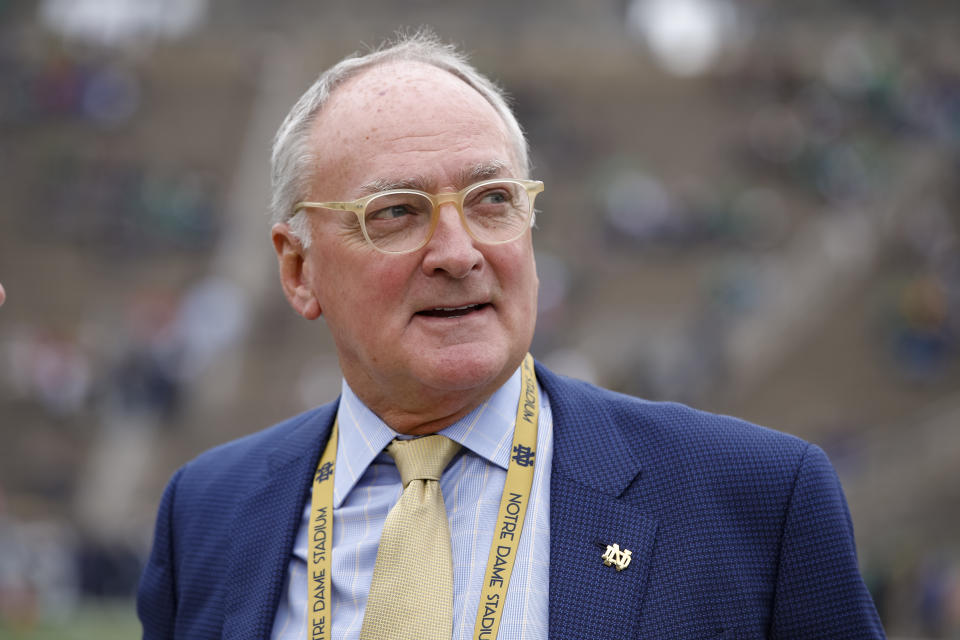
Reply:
x=687, y=426
x=578, y=400
x=666, y=435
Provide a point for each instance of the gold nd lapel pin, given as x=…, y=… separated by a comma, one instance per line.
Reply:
x=616, y=557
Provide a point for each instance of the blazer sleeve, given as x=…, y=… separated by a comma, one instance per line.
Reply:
x=156, y=596
x=819, y=590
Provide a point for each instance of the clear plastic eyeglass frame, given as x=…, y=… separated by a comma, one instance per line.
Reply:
x=359, y=206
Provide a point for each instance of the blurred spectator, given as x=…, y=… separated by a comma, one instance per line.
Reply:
x=915, y=322
x=211, y=318
x=934, y=593
x=51, y=369
x=144, y=382
x=126, y=206
x=63, y=86
x=173, y=341
x=37, y=571
x=637, y=205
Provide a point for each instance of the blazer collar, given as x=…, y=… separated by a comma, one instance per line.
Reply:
x=589, y=444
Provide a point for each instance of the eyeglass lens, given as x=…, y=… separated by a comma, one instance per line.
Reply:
x=495, y=212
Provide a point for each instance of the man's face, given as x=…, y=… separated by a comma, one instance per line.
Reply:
x=401, y=345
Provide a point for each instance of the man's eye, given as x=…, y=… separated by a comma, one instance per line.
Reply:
x=390, y=213
x=495, y=197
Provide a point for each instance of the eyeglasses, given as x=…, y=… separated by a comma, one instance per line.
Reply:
x=403, y=220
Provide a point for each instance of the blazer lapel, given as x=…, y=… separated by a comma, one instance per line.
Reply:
x=589, y=599
x=265, y=526
x=594, y=463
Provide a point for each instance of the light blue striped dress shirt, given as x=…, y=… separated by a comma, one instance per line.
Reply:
x=367, y=485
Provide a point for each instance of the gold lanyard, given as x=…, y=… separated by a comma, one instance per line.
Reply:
x=320, y=548
x=506, y=536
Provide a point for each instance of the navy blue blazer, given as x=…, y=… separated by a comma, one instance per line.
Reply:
x=736, y=531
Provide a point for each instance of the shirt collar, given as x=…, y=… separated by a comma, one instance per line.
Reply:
x=487, y=431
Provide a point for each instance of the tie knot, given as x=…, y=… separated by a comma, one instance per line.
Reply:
x=422, y=458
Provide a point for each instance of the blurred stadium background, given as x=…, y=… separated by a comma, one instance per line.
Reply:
x=751, y=207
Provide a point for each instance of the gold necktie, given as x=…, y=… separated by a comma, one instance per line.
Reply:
x=411, y=595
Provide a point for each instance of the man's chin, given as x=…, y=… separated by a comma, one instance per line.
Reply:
x=469, y=367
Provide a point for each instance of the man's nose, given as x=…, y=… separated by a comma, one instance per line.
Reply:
x=451, y=249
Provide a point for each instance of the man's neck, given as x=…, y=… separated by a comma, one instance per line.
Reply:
x=426, y=411
x=432, y=419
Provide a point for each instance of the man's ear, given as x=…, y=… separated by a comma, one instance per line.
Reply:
x=291, y=258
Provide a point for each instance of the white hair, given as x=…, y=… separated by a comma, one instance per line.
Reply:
x=292, y=155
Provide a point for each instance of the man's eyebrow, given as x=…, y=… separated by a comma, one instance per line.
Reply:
x=386, y=184
x=466, y=177
x=478, y=172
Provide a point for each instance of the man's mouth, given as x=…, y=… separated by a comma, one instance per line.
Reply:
x=453, y=312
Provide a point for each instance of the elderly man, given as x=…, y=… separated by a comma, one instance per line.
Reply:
x=455, y=489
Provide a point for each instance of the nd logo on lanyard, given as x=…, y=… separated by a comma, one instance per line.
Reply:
x=506, y=535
